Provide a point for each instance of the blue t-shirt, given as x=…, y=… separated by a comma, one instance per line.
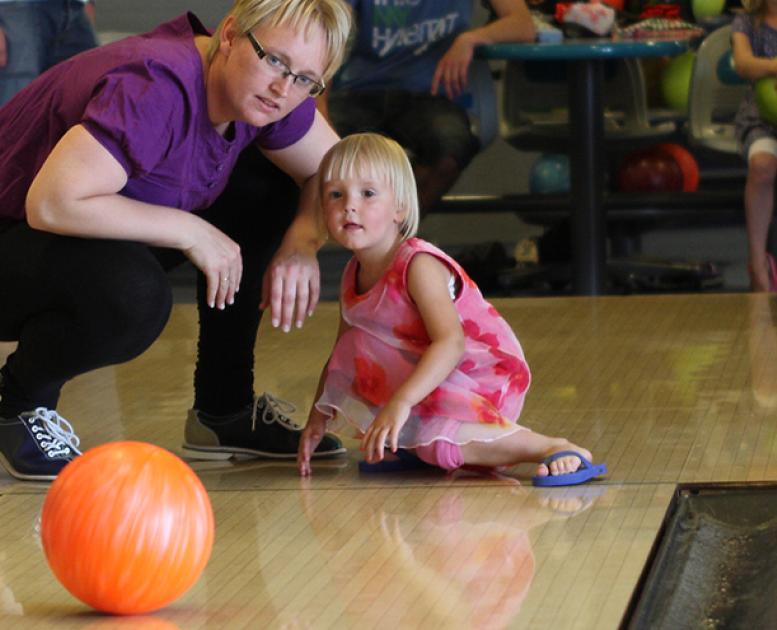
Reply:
x=399, y=42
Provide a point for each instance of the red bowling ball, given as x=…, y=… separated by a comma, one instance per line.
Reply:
x=686, y=162
x=650, y=171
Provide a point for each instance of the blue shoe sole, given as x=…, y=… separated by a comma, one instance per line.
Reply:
x=405, y=461
x=586, y=472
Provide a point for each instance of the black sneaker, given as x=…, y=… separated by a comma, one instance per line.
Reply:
x=37, y=445
x=262, y=430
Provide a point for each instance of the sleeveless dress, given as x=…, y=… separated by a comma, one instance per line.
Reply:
x=480, y=400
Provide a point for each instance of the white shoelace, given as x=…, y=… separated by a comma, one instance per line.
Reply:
x=274, y=410
x=54, y=434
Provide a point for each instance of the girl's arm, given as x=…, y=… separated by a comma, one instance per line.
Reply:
x=427, y=283
x=292, y=282
x=513, y=24
x=76, y=192
x=316, y=426
x=747, y=65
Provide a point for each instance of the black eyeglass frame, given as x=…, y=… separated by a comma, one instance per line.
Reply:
x=316, y=89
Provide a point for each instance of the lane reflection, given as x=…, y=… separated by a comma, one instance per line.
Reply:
x=452, y=557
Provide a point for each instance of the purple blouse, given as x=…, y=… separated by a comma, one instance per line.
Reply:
x=143, y=98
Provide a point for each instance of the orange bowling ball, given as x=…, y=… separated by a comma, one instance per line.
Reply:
x=127, y=527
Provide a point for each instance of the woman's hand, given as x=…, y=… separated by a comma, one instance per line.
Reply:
x=385, y=428
x=453, y=67
x=218, y=257
x=291, y=285
x=513, y=24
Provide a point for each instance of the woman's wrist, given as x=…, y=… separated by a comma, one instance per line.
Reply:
x=471, y=39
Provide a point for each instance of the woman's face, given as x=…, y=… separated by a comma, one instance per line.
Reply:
x=255, y=90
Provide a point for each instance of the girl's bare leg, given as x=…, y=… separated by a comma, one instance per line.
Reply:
x=524, y=446
x=759, y=200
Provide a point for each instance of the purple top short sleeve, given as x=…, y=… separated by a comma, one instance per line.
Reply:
x=143, y=99
x=126, y=118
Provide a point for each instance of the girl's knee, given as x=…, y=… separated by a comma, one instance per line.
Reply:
x=762, y=168
x=440, y=453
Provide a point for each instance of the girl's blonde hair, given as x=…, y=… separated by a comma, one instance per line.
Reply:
x=756, y=7
x=371, y=155
x=333, y=16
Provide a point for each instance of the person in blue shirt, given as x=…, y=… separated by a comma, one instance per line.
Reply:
x=37, y=34
x=406, y=77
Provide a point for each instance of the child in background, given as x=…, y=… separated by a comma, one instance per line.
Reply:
x=754, y=42
x=422, y=363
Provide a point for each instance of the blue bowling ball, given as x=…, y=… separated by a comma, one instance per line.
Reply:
x=549, y=175
x=727, y=73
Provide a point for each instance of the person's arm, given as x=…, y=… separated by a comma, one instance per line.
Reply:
x=747, y=65
x=76, y=192
x=427, y=283
x=89, y=9
x=513, y=24
x=3, y=49
x=291, y=283
x=316, y=426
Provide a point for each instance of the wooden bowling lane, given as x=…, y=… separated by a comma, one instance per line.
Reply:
x=663, y=388
x=475, y=554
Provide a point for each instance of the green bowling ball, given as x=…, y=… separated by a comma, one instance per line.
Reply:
x=676, y=81
x=703, y=9
x=766, y=99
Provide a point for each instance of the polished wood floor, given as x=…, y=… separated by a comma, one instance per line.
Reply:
x=663, y=388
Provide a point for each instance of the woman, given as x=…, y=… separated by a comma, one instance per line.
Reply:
x=109, y=165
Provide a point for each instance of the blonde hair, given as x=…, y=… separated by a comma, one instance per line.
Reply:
x=374, y=155
x=755, y=7
x=333, y=16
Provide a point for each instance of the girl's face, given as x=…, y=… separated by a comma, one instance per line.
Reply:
x=255, y=90
x=361, y=213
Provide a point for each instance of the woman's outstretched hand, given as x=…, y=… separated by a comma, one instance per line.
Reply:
x=291, y=285
x=218, y=257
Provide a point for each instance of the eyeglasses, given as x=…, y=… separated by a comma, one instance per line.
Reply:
x=279, y=68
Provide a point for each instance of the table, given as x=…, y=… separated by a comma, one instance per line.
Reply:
x=586, y=59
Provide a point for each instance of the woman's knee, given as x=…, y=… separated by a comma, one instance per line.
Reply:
x=127, y=297
x=436, y=129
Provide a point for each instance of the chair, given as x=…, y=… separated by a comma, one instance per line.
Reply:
x=528, y=124
x=480, y=102
x=715, y=94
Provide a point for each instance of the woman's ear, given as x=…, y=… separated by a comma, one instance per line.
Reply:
x=228, y=34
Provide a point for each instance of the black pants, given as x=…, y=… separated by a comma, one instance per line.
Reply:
x=430, y=127
x=76, y=304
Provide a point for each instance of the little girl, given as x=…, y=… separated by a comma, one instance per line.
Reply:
x=422, y=363
x=754, y=42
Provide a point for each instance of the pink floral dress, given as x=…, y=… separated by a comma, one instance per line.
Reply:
x=480, y=400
